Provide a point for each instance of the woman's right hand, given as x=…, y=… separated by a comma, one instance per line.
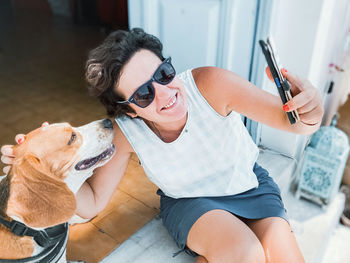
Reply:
x=7, y=154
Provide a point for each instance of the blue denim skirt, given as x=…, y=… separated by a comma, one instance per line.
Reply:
x=178, y=215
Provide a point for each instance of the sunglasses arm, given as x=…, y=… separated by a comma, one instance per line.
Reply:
x=123, y=102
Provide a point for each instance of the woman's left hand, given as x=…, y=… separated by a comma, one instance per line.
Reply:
x=306, y=99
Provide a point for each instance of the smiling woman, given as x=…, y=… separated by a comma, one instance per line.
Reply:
x=188, y=135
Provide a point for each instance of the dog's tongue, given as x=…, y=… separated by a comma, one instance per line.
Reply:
x=87, y=163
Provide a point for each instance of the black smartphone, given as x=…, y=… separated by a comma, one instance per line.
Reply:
x=282, y=84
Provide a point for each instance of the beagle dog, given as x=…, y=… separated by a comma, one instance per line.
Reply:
x=49, y=168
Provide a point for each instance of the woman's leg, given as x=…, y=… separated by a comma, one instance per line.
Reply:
x=219, y=236
x=277, y=239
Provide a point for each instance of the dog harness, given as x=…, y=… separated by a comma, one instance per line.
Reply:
x=53, y=240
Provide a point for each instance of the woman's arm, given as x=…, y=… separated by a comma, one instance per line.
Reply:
x=226, y=91
x=94, y=194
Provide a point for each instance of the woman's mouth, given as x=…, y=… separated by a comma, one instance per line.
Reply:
x=171, y=103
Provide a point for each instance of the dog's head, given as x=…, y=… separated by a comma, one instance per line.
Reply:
x=50, y=166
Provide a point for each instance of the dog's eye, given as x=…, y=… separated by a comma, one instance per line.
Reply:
x=72, y=138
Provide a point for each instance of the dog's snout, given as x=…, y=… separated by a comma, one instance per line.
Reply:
x=107, y=124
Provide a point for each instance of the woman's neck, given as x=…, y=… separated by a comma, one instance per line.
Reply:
x=168, y=132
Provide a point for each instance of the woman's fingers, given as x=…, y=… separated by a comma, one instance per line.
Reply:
x=312, y=117
x=306, y=100
x=268, y=73
x=302, y=99
x=6, y=169
x=7, y=150
x=7, y=157
x=293, y=79
x=7, y=154
x=296, y=84
x=20, y=138
x=6, y=160
x=308, y=107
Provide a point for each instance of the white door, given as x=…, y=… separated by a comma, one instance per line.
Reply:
x=200, y=32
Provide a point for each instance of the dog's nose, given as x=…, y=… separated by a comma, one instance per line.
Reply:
x=107, y=124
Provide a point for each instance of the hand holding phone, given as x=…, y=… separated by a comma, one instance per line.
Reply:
x=282, y=84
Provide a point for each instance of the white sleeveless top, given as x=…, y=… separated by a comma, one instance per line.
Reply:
x=213, y=155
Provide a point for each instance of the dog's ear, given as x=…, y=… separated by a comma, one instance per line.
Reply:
x=37, y=197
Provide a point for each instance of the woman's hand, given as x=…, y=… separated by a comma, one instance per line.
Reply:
x=7, y=155
x=306, y=99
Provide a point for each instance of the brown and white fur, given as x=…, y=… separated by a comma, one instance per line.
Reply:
x=49, y=168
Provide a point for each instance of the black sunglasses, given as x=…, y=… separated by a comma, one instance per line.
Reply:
x=145, y=94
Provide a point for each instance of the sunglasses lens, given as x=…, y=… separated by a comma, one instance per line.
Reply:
x=144, y=95
x=165, y=73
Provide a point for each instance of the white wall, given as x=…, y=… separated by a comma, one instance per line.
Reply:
x=331, y=31
x=294, y=32
x=200, y=32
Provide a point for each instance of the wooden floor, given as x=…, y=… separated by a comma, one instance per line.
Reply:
x=133, y=205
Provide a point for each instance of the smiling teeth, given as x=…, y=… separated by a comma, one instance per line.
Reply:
x=171, y=103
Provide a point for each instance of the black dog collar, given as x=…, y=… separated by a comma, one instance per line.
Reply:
x=45, y=238
x=53, y=239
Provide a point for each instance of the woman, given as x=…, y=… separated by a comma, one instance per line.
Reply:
x=216, y=201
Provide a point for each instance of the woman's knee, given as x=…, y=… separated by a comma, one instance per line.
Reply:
x=246, y=252
x=277, y=239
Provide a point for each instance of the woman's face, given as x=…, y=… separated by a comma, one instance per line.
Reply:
x=139, y=70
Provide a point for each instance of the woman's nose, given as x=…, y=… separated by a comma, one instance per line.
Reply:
x=161, y=90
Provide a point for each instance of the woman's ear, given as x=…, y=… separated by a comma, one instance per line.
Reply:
x=37, y=197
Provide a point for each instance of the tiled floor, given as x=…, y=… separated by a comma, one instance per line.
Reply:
x=42, y=79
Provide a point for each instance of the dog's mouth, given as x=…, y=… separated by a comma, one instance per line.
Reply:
x=88, y=163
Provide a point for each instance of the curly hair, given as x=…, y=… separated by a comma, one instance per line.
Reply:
x=105, y=62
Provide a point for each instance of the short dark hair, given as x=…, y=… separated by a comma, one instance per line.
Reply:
x=105, y=62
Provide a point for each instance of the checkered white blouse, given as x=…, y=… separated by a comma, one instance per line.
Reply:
x=213, y=156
